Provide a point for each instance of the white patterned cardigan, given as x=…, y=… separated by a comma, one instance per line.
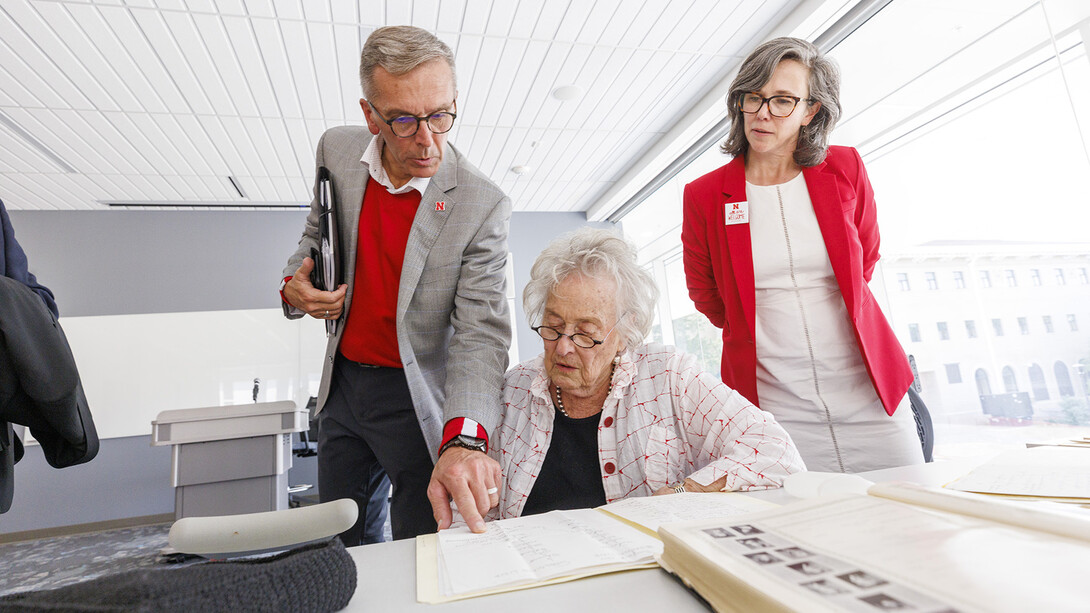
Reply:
x=664, y=420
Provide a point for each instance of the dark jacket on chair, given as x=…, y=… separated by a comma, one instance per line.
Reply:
x=39, y=386
x=13, y=262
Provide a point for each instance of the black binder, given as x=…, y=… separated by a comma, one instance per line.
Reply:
x=327, y=264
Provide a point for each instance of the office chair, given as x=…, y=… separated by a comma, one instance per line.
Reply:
x=924, y=428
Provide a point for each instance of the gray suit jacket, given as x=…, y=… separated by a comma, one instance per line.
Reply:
x=453, y=324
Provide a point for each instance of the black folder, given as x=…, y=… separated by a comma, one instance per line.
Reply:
x=327, y=264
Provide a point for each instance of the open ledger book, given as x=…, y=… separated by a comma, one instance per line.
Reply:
x=896, y=547
x=536, y=550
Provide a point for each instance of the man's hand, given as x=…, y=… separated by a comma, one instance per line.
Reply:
x=466, y=476
x=302, y=294
x=693, y=486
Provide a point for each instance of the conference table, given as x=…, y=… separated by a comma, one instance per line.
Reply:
x=387, y=571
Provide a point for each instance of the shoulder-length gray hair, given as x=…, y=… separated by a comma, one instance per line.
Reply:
x=824, y=88
x=599, y=254
x=399, y=49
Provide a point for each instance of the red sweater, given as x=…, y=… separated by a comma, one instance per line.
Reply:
x=370, y=333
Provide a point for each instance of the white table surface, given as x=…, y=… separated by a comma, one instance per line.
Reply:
x=387, y=572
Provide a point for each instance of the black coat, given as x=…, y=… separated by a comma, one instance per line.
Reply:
x=39, y=387
x=13, y=262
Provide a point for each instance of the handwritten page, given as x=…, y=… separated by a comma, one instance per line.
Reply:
x=537, y=548
x=1053, y=472
x=653, y=511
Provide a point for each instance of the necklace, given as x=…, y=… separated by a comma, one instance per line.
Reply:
x=559, y=404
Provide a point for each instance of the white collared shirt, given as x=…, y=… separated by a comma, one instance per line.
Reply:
x=372, y=158
x=664, y=420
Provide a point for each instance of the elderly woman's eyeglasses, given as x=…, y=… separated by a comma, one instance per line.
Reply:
x=778, y=106
x=580, y=339
x=404, y=126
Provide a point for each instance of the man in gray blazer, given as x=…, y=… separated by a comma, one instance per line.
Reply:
x=412, y=376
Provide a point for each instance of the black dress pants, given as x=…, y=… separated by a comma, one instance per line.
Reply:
x=368, y=431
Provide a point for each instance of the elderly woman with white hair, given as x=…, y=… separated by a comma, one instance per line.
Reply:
x=601, y=416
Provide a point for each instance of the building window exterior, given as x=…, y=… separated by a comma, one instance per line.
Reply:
x=1011, y=278
x=1035, y=277
x=1047, y=319
x=1083, y=278
x=1063, y=380
x=914, y=332
x=902, y=281
x=953, y=373
x=1023, y=325
x=932, y=282
x=1060, y=280
x=970, y=328
x=983, y=385
x=959, y=279
x=1037, y=382
x=997, y=325
x=944, y=332
x=985, y=279
x=1072, y=322
x=1010, y=383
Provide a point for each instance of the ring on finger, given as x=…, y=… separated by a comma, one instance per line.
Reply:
x=327, y=313
x=493, y=490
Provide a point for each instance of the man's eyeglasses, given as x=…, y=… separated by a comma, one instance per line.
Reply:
x=579, y=338
x=778, y=106
x=404, y=126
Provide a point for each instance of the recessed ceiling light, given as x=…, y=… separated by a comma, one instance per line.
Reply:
x=520, y=169
x=568, y=92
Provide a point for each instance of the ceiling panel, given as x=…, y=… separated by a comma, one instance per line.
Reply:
x=348, y=43
x=501, y=86
x=83, y=62
x=162, y=100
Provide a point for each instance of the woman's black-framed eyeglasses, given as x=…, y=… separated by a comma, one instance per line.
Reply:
x=578, y=338
x=778, y=106
x=404, y=126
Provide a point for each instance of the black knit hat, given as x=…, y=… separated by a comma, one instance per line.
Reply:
x=317, y=577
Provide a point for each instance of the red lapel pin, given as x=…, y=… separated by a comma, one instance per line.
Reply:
x=441, y=205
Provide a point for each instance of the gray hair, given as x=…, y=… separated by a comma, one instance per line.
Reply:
x=598, y=254
x=400, y=49
x=824, y=88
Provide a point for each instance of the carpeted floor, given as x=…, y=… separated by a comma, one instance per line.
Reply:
x=63, y=560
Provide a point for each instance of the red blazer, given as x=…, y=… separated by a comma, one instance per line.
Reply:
x=719, y=267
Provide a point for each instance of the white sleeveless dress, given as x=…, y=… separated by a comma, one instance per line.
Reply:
x=810, y=372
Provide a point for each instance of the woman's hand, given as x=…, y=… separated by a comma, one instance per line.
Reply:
x=693, y=486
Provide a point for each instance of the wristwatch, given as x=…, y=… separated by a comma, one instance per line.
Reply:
x=468, y=442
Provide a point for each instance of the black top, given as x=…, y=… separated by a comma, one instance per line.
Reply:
x=570, y=477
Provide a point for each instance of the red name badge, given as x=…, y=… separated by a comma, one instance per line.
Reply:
x=735, y=213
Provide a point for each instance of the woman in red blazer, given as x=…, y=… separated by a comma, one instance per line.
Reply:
x=779, y=246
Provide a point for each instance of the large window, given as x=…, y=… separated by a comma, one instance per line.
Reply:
x=1037, y=381
x=939, y=116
